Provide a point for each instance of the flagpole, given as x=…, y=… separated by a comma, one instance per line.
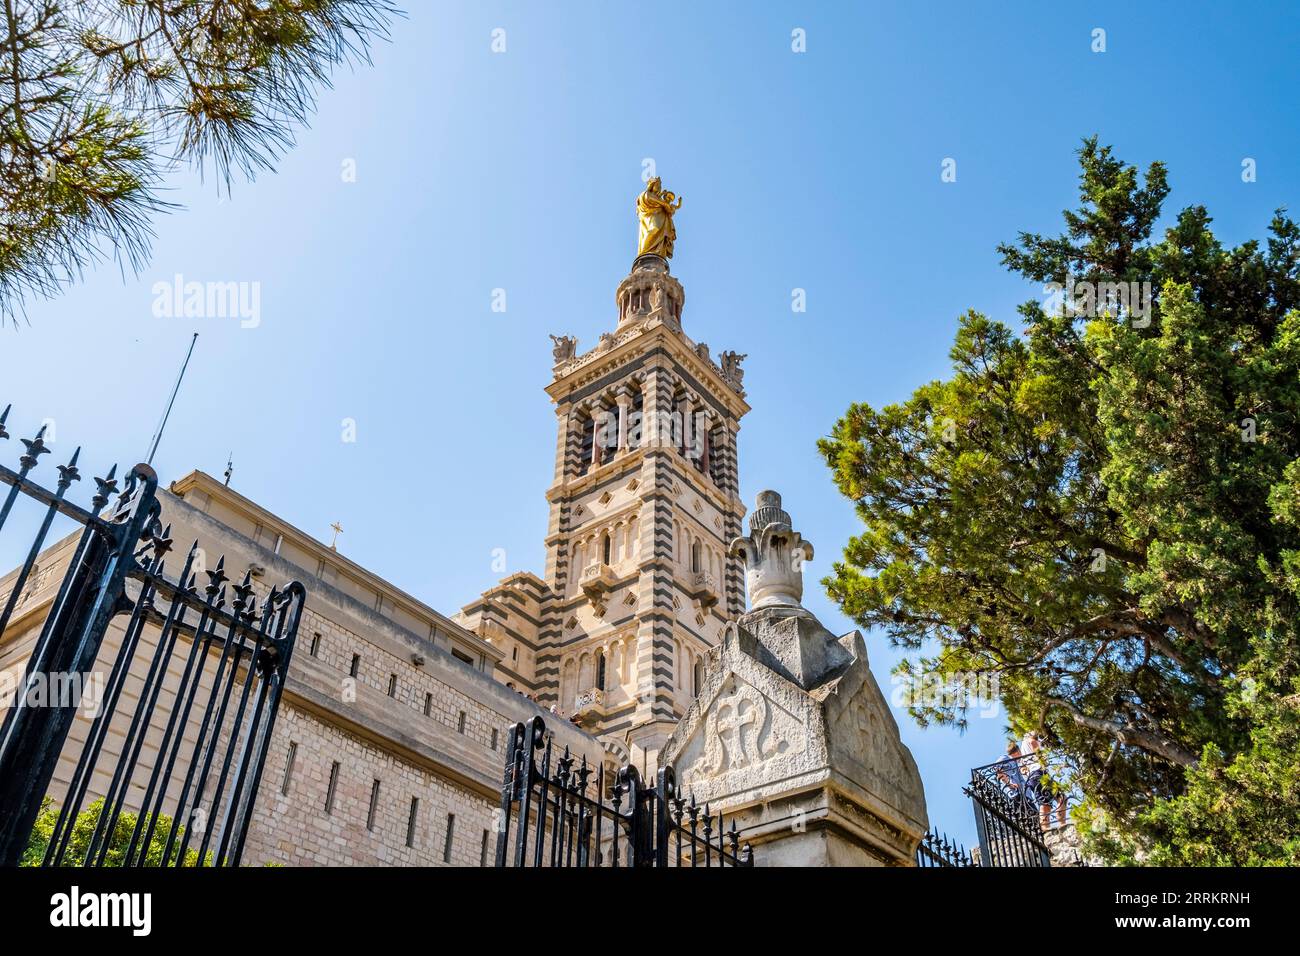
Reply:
x=163, y=424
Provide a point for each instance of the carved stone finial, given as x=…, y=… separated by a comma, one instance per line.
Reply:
x=774, y=554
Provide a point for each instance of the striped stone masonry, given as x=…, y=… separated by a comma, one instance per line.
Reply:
x=637, y=584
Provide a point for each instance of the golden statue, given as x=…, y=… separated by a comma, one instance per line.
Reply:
x=655, y=209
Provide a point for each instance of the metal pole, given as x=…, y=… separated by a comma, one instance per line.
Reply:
x=163, y=424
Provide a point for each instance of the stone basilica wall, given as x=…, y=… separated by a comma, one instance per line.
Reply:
x=423, y=714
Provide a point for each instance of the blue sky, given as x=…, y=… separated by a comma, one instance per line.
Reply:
x=478, y=170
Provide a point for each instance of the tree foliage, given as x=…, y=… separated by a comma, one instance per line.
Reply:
x=1105, y=512
x=83, y=830
x=99, y=97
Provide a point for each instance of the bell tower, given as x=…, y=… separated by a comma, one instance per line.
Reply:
x=643, y=505
x=644, y=502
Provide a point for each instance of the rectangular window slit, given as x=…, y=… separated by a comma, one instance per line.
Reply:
x=374, y=805
x=288, y=767
x=460, y=723
x=451, y=829
x=428, y=704
x=410, y=821
x=356, y=665
x=334, y=782
x=392, y=685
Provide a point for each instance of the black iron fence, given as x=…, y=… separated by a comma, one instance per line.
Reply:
x=172, y=766
x=561, y=812
x=937, y=850
x=1012, y=799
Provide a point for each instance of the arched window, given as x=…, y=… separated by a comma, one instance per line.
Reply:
x=635, y=421
x=679, y=423
x=697, y=677
x=715, y=460
x=604, y=547
x=600, y=670
x=606, y=434
x=695, y=556
x=585, y=448
x=568, y=681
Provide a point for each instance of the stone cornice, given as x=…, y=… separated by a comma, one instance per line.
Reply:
x=641, y=340
x=233, y=500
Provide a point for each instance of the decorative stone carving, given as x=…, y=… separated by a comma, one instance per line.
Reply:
x=774, y=555
x=731, y=369
x=704, y=588
x=564, y=347
x=743, y=731
x=702, y=350
x=649, y=296
x=790, y=726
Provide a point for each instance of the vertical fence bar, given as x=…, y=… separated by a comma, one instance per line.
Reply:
x=509, y=788
x=33, y=737
x=91, y=594
x=288, y=619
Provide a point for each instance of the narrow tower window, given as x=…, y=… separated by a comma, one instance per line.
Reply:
x=374, y=805
x=334, y=782
x=288, y=767
x=410, y=821
x=451, y=831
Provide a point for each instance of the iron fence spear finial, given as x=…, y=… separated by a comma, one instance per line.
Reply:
x=104, y=489
x=35, y=448
x=69, y=473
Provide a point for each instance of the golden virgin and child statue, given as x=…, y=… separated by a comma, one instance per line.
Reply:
x=655, y=208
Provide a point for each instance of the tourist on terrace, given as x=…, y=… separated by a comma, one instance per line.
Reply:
x=1041, y=788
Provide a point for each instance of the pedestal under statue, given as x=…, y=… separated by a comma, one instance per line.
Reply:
x=790, y=734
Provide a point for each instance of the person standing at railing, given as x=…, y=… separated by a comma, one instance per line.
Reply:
x=1042, y=789
x=1008, y=770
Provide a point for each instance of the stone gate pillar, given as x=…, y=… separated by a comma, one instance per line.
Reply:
x=790, y=735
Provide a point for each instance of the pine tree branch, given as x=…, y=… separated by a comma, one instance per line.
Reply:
x=1153, y=742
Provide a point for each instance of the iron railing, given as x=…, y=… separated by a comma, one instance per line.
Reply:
x=1007, y=797
x=936, y=850
x=563, y=813
x=186, y=796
